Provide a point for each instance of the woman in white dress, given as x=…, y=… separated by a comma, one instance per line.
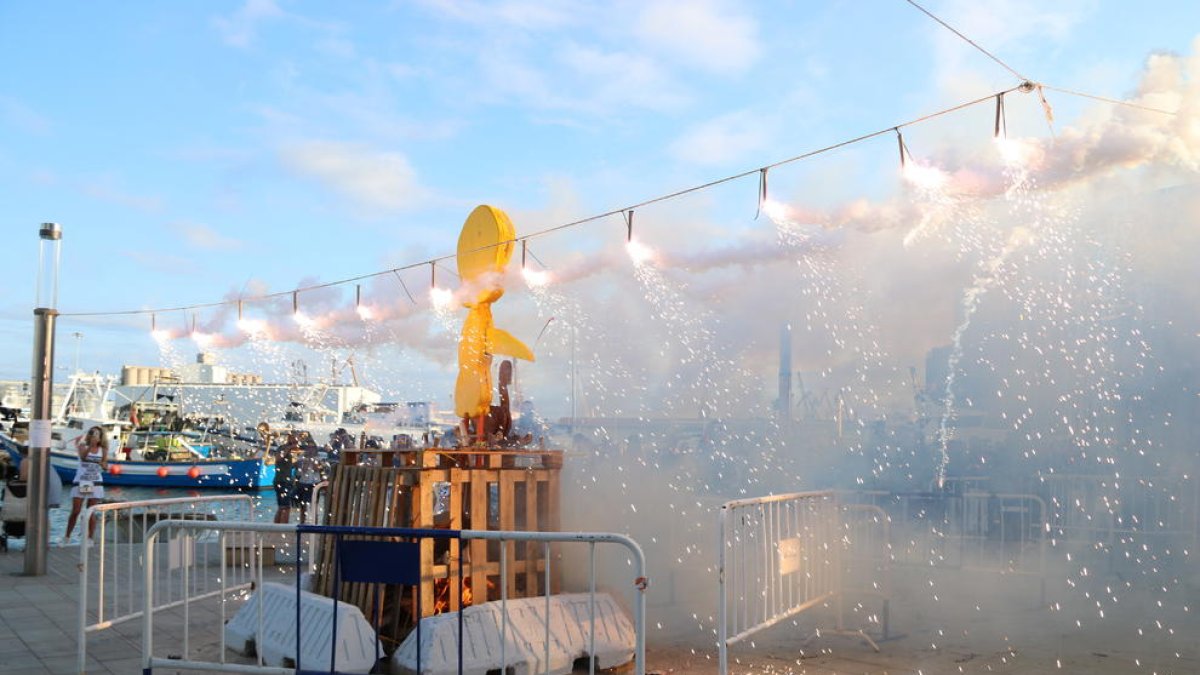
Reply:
x=89, y=477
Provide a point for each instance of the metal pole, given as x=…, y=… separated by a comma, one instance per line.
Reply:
x=37, y=533
x=37, y=527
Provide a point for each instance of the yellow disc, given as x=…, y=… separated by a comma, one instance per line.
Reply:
x=479, y=247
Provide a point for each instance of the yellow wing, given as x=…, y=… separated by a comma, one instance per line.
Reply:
x=503, y=343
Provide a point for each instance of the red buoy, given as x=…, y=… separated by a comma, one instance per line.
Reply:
x=162, y=472
x=194, y=472
x=114, y=469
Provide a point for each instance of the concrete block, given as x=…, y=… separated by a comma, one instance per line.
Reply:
x=356, y=640
x=525, y=643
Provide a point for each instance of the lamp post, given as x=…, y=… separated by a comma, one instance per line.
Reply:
x=37, y=533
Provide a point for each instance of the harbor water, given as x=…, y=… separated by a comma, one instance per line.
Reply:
x=264, y=506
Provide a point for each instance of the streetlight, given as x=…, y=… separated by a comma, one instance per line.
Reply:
x=37, y=532
x=78, y=340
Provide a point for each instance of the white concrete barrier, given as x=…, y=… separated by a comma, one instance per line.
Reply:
x=524, y=639
x=356, y=641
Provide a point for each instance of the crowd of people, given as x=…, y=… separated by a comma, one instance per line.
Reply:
x=298, y=469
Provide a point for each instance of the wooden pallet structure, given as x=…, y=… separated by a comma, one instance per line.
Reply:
x=449, y=489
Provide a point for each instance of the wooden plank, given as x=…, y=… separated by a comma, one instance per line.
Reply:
x=423, y=512
x=404, y=497
x=454, y=552
x=377, y=505
x=533, y=550
x=553, y=523
x=508, y=523
x=478, y=548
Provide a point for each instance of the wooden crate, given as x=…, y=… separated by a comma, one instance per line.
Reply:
x=495, y=490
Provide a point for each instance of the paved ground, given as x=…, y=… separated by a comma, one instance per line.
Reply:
x=976, y=624
x=39, y=619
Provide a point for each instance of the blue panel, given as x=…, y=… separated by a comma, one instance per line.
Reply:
x=386, y=562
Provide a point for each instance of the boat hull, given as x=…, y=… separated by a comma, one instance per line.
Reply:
x=250, y=474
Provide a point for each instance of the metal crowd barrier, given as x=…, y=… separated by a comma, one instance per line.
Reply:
x=192, y=532
x=867, y=559
x=111, y=581
x=1004, y=533
x=1109, y=511
x=318, y=508
x=782, y=555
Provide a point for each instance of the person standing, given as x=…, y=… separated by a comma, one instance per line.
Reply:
x=285, y=478
x=308, y=474
x=89, y=477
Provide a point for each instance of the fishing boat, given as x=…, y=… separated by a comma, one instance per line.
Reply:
x=143, y=455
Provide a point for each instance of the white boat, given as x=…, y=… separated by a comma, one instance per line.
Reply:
x=162, y=458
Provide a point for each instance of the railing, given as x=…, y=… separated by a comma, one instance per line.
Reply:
x=980, y=531
x=867, y=559
x=318, y=507
x=192, y=531
x=1108, y=512
x=782, y=555
x=111, y=562
x=1004, y=533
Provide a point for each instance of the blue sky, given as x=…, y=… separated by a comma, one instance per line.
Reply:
x=193, y=150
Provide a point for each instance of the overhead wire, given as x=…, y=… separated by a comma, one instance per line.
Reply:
x=1029, y=82
x=1026, y=85
x=969, y=41
x=1105, y=99
x=557, y=227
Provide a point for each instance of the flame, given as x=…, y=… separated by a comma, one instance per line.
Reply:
x=925, y=177
x=1018, y=152
x=441, y=594
x=253, y=326
x=535, y=278
x=639, y=253
x=203, y=340
x=364, y=312
x=441, y=298
x=776, y=211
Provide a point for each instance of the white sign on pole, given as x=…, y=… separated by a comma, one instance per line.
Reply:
x=39, y=433
x=789, y=556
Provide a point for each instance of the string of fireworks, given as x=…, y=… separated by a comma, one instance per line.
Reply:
x=625, y=212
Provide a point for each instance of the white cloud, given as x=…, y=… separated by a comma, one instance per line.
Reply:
x=722, y=139
x=621, y=78
x=701, y=34
x=518, y=14
x=162, y=263
x=337, y=47
x=240, y=28
x=204, y=237
x=22, y=117
x=106, y=189
x=586, y=80
x=1006, y=28
x=375, y=180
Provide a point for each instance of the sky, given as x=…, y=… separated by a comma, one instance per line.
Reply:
x=197, y=152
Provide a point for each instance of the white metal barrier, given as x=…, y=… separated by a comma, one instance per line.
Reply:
x=780, y=556
x=867, y=559
x=111, y=582
x=1108, y=510
x=190, y=532
x=317, y=514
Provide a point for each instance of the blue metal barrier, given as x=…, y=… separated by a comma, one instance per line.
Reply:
x=375, y=562
x=391, y=556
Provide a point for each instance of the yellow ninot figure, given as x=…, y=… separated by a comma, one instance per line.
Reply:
x=484, y=248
